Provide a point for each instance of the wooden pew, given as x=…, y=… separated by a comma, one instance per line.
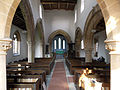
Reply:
x=74, y=64
x=102, y=76
x=27, y=72
x=23, y=86
x=22, y=81
x=50, y=61
x=105, y=86
x=41, y=63
x=23, y=68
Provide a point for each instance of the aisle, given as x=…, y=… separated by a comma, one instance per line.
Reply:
x=59, y=80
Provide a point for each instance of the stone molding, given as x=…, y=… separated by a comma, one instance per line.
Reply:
x=29, y=43
x=113, y=46
x=5, y=45
x=62, y=32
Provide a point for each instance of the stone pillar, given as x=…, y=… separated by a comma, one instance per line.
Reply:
x=30, y=59
x=41, y=49
x=5, y=45
x=114, y=47
x=88, y=55
x=77, y=48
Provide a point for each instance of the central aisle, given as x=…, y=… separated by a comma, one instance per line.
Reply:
x=59, y=80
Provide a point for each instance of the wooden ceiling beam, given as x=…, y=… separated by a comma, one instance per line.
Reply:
x=59, y=1
x=20, y=18
x=71, y=3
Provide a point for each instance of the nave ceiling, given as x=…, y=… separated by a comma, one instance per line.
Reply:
x=59, y=4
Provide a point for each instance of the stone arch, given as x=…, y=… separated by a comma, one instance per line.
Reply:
x=78, y=38
x=7, y=16
x=52, y=35
x=93, y=19
x=7, y=11
x=28, y=17
x=111, y=13
x=29, y=21
x=40, y=32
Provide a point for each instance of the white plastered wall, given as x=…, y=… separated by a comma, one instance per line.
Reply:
x=38, y=46
x=101, y=36
x=83, y=11
x=35, y=9
x=23, y=45
x=59, y=19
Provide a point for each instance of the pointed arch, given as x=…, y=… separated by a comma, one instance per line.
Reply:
x=40, y=34
x=57, y=32
x=93, y=19
x=78, y=38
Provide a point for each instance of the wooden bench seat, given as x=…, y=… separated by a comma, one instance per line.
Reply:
x=102, y=76
x=23, y=71
x=27, y=72
x=105, y=74
x=43, y=64
x=25, y=79
x=73, y=64
x=23, y=86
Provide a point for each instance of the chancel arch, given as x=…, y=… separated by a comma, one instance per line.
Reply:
x=55, y=33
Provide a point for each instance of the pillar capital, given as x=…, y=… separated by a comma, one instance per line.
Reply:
x=5, y=45
x=29, y=42
x=113, y=46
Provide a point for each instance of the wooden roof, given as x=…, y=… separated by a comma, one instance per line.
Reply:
x=59, y=4
x=18, y=19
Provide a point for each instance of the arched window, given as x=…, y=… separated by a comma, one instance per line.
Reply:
x=16, y=43
x=59, y=41
x=40, y=7
x=82, y=44
x=82, y=5
x=55, y=44
x=63, y=44
x=96, y=47
x=75, y=19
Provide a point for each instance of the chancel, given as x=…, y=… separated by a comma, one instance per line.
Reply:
x=59, y=44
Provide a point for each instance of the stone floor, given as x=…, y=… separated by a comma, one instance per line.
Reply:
x=68, y=77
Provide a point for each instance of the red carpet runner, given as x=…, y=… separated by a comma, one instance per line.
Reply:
x=59, y=80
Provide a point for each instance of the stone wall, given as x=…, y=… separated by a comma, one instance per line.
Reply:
x=23, y=45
